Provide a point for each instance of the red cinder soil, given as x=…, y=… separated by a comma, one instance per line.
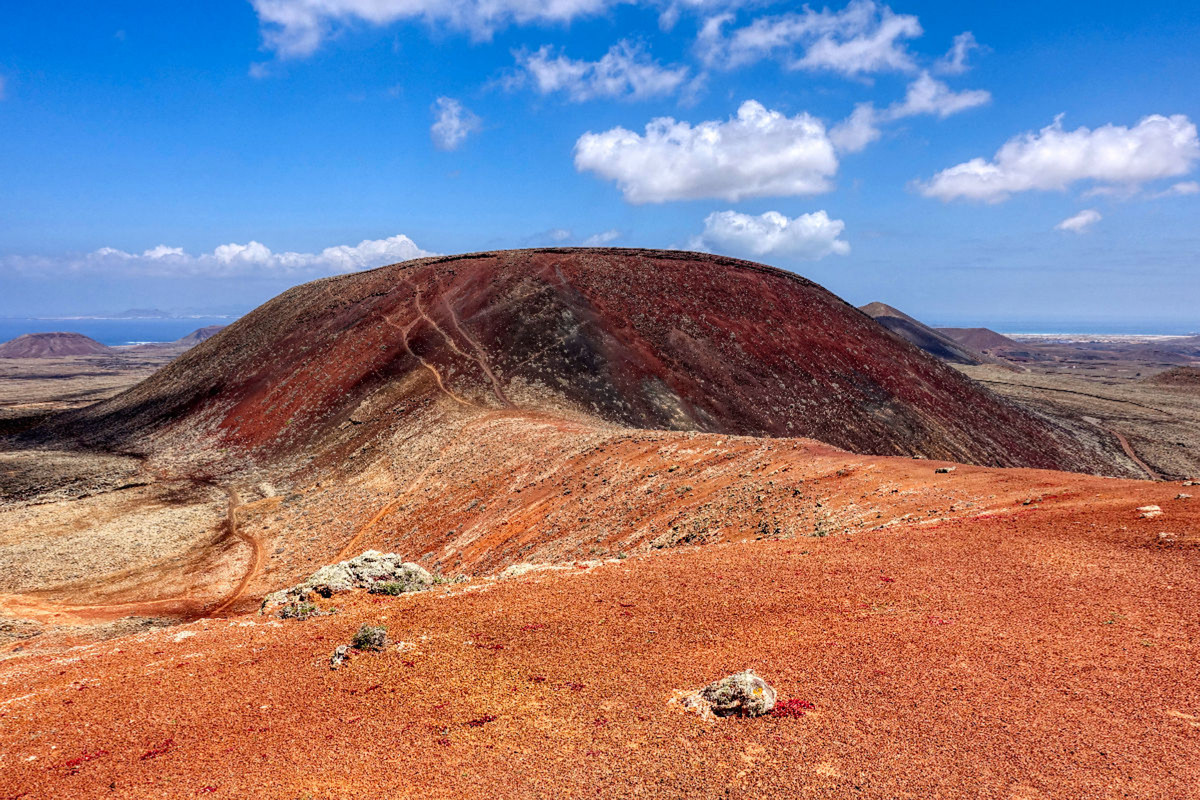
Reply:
x=1032, y=650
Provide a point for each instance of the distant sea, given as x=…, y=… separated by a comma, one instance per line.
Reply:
x=112, y=332
x=1094, y=328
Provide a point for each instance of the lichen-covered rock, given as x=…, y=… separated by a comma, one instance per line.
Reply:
x=364, y=571
x=340, y=656
x=742, y=694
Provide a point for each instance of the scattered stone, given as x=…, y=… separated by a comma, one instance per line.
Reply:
x=1183, y=496
x=517, y=570
x=942, y=470
x=340, y=656
x=364, y=571
x=742, y=694
x=370, y=637
x=1149, y=512
x=1191, y=483
x=1166, y=536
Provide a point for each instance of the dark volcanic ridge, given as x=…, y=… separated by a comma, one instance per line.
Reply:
x=52, y=345
x=932, y=341
x=638, y=338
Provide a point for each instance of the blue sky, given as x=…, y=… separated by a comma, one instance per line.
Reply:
x=207, y=155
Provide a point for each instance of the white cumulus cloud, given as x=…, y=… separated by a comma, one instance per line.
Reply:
x=295, y=28
x=1080, y=222
x=252, y=258
x=864, y=37
x=808, y=236
x=452, y=123
x=626, y=70
x=1054, y=159
x=758, y=153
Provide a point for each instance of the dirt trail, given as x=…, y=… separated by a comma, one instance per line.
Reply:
x=437, y=376
x=1081, y=394
x=480, y=356
x=182, y=604
x=256, y=551
x=1128, y=448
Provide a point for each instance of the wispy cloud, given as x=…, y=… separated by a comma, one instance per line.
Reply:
x=864, y=37
x=925, y=95
x=251, y=258
x=452, y=124
x=625, y=71
x=295, y=28
x=1081, y=222
x=955, y=60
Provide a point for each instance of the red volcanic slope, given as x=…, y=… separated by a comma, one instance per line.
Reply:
x=647, y=339
x=52, y=345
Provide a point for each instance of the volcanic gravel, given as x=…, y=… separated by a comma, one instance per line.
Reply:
x=1045, y=652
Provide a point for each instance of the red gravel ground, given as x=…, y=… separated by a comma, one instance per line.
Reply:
x=1047, y=652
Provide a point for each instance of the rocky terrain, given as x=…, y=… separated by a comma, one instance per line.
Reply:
x=620, y=476
x=1158, y=424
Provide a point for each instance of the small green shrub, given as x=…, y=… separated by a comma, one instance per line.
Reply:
x=298, y=611
x=392, y=588
x=370, y=637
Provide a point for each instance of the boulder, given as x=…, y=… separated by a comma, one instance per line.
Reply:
x=742, y=694
x=363, y=571
x=340, y=656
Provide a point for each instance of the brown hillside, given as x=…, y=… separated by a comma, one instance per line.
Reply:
x=1176, y=376
x=982, y=339
x=52, y=345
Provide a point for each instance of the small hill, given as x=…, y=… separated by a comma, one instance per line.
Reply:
x=983, y=340
x=184, y=343
x=197, y=336
x=935, y=343
x=52, y=345
x=1176, y=376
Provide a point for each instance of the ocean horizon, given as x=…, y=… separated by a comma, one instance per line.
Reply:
x=112, y=332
